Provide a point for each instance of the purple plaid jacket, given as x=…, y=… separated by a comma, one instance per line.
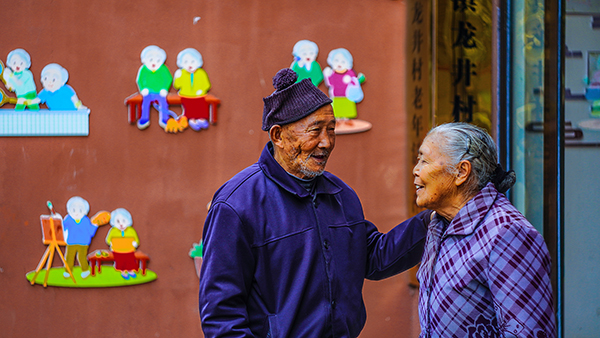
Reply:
x=486, y=274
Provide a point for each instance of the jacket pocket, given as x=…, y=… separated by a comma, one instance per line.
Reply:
x=273, y=327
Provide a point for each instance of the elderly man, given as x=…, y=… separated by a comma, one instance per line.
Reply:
x=286, y=244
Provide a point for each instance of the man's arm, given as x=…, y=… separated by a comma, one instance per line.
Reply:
x=519, y=280
x=226, y=274
x=399, y=249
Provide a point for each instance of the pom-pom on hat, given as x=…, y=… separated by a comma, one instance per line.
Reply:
x=291, y=101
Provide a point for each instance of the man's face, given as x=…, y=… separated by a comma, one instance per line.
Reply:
x=306, y=144
x=77, y=211
x=153, y=60
x=52, y=80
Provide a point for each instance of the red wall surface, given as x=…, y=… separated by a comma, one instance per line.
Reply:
x=166, y=180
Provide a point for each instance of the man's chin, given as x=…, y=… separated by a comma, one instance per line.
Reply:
x=312, y=173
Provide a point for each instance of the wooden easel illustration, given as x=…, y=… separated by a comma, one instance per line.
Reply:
x=52, y=235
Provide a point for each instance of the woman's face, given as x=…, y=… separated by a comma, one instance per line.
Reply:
x=436, y=188
x=121, y=222
x=339, y=63
x=189, y=63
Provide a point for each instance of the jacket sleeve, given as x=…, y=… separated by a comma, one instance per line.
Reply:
x=519, y=280
x=226, y=274
x=399, y=249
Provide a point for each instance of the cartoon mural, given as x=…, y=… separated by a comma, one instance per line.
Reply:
x=76, y=231
x=199, y=109
x=193, y=84
x=19, y=79
x=65, y=116
x=57, y=94
x=592, y=92
x=79, y=231
x=345, y=90
x=123, y=241
x=154, y=80
x=305, y=62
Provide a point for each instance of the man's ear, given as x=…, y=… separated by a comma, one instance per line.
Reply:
x=275, y=134
x=464, y=170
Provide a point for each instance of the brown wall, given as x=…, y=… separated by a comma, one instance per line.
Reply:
x=166, y=180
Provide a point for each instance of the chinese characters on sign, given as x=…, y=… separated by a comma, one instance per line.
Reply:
x=463, y=67
x=418, y=81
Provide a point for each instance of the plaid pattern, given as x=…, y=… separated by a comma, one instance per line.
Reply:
x=486, y=274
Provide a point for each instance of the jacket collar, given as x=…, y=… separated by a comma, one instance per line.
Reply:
x=471, y=215
x=275, y=172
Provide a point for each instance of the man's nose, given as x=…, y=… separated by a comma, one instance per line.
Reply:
x=326, y=140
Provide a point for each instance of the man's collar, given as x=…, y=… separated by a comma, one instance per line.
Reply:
x=470, y=216
x=277, y=174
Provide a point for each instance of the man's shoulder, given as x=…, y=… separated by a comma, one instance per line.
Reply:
x=243, y=180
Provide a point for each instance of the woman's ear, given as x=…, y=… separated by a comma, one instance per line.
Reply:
x=464, y=170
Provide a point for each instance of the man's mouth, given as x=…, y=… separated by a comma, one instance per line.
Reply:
x=419, y=187
x=320, y=157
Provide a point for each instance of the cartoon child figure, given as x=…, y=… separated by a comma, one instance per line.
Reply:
x=19, y=79
x=154, y=80
x=57, y=94
x=343, y=83
x=78, y=231
x=123, y=241
x=305, y=65
x=193, y=83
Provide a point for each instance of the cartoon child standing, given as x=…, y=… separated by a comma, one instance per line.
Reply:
x=343, y=83
x=305, y=65
x=19, y=79
x=57, y=94
x=154, y=80
x=193, y=83
x=123, y=241
x=79, y=231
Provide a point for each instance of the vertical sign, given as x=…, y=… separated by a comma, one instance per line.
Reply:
x=418, y=95
x=418, y=85
x=464, y=62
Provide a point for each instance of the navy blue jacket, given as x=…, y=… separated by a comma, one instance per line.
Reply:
x=280, y=263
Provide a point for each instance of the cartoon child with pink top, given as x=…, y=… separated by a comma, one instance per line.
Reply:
x=343, y=83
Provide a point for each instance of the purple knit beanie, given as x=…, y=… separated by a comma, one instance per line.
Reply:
x=291, y=101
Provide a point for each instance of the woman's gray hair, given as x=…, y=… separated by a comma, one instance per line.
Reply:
x=463, y=141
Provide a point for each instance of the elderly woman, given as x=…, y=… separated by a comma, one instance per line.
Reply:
x=486, y=270
x=193, y=83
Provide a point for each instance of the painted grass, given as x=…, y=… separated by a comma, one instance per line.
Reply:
x=109, y=277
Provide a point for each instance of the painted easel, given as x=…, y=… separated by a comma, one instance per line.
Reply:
x=48, y=257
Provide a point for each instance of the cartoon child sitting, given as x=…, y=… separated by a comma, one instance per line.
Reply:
x=78, y=231
x=154, y=80
x=123, y=241
x=192, y=82
x=19, y=79
x=57, y=94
